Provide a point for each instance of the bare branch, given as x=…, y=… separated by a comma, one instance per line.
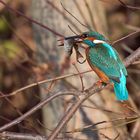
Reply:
x=34, y=109
x=81, y=13
x=80, y=75
x=30, y=19
x=90, y=14
x=17, y=136
x=74, y=16
x=132, y=58
x=121, y=39
x=66, y=118
x=42, y=82
x=129, y=6
x=63, y=14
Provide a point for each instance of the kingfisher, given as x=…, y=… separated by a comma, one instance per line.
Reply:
x=105, y=62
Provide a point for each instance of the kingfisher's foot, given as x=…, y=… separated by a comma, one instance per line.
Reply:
x=100, y=83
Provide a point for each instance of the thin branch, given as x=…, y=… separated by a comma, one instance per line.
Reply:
x=72, y=30
x=121, y=39
x=74, y=16
x=70, y=112
x=34, y=109
x=80, y=75
x=129, y=6
x=60, y=12
x=42, y=82
x=81, y=13
x=17, y=136
x=67, y=116
x=90, y=14
x=74, y=108
x=118, y=125
x=102, y=109
x=103, y=122
x=30, y=19
x=11, y=104
x=132, y=58
x=106, y=137
x=117, y=136
x=136, y=62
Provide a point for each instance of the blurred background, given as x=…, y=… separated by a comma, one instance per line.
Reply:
x=30, y=53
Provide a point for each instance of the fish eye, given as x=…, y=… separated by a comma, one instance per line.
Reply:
x=84, y=35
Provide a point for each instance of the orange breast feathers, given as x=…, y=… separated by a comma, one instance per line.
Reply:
x=100, y=73
x=91, y=38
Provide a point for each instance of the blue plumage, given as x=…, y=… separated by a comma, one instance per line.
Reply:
x=120, y=88
x=103, y=56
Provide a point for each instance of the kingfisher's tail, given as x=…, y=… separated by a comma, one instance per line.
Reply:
x=120, y=88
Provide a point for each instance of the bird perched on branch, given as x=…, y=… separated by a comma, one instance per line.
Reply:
x=105, y=61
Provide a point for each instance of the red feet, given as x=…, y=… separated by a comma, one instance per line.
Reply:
x=100, y=83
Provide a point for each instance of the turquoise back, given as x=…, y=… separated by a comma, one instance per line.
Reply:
x=108, y=62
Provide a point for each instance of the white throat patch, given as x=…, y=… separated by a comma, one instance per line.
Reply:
x=96, y=41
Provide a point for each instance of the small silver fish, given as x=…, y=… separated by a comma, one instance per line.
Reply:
x=68, y=46
x=69, y=43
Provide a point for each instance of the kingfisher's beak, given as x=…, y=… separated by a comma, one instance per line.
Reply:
x=76, y=38
x=73, y=37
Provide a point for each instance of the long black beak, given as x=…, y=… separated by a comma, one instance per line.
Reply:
x=67, y=38
x=72, y=37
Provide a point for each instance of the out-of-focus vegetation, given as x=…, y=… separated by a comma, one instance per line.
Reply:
x=19, y=67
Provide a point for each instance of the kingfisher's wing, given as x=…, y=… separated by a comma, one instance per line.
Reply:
x=120, y=62
x=111, y=65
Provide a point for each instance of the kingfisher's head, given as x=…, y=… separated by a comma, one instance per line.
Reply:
x=92, y=38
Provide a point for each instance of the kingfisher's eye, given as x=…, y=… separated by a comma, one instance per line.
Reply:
x=84, y=35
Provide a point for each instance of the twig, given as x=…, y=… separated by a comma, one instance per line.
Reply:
x=60, y=12
x=118, y=125
x=25, y=136
x=90, y=13
x=126, y=48
x=42, y=82
x=86, y=127
x=106, y=137
x=132, y=58
x=117, y=136
x=72, y=30
x=74, y=108
x=81, y=13
x=42, y=125
x=121, y=39
x=74, y=16
x=129, y=6
x=67, y=116
x=80, y=75
x=136, y=62
x=102, y=122
x=102, y=109
x=17, y=136
x=9, y=101
x=30, y=19
x=34, y=109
